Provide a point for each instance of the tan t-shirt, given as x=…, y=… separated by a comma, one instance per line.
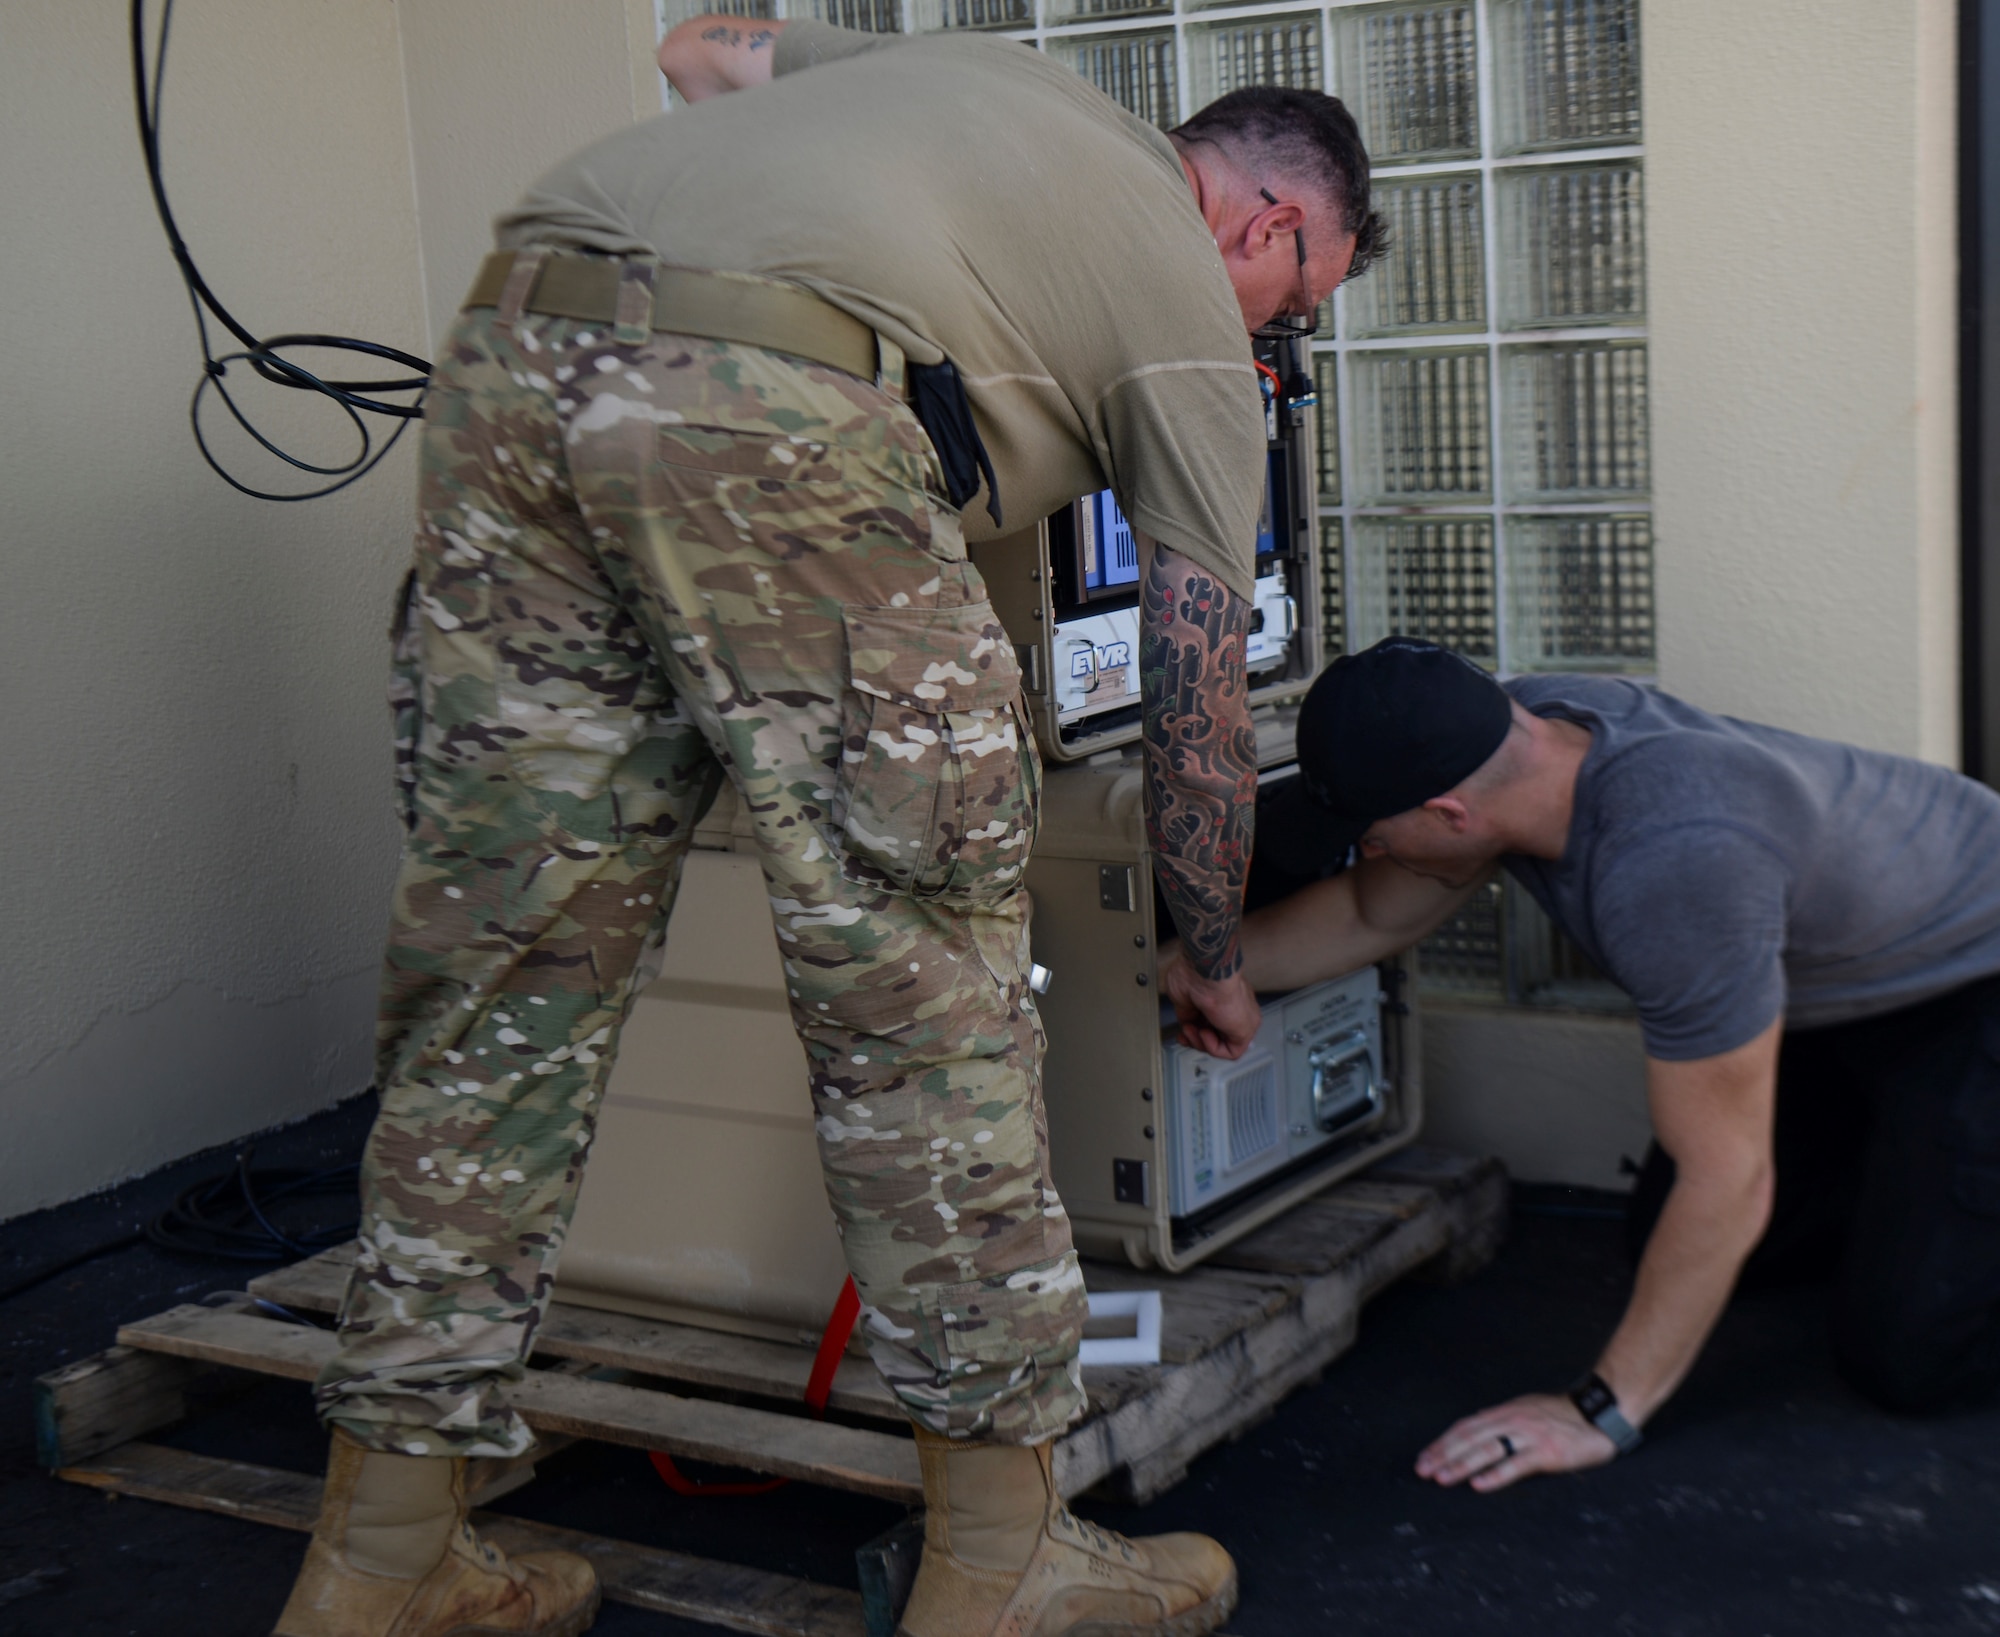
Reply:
x=968, y=198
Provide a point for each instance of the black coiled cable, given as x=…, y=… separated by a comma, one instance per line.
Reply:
x=357, y=399
x=234, y=1215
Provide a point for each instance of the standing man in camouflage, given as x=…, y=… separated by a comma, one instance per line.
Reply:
x=678, y=526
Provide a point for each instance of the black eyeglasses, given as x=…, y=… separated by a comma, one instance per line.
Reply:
x=1288, y=327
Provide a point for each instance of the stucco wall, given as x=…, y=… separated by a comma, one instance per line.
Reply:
x=195, y=802
x=499, y=90
x=1801, y=259
x=197, y=750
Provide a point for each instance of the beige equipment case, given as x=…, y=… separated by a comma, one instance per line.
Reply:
x=703, y=1201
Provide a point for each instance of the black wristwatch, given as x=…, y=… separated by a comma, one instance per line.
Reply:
x=1598, y=1404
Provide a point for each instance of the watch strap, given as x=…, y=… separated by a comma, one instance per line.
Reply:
x=1598, y=1404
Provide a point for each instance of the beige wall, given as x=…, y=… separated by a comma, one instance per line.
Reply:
x=1559, y=1096
x=499, y=90
x=193, y=737
x=1801, y=245
x=197, y=790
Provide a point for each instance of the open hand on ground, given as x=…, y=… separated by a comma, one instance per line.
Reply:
x=1541, y=1432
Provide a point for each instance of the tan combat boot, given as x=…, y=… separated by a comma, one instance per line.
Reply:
x=392, y=1556
x=1003, y=1557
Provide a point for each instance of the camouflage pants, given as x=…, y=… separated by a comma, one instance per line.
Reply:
x=644, y=563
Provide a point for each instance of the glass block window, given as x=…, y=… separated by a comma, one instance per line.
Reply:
x=672, y=12
x=1490, y=399
x=1409, y=74
x=1572, y=245
x=975, y=13
x=1580, y=593
x=1066, y=11
x=1137, y=70
x=1422, y=426
x=1332, y=589
x=1436, y=283
x=1423, y=577
x=1326, y=426
x=870, y=16
x=1568, y=73
x=1466, y=956
x=1499, y=948
x=1280, y=50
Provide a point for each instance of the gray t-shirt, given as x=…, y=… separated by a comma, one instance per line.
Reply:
x=1723, y=873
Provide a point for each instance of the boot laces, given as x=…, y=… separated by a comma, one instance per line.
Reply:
x=1104, y=1540
x=487, y=1554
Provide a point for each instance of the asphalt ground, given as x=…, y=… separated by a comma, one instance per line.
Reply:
x=1768, y=1501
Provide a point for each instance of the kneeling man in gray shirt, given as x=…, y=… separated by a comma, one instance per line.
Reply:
x=1811, y=935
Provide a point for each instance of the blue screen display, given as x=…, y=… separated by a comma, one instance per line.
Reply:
x=1267, y=520
x=1110, y=554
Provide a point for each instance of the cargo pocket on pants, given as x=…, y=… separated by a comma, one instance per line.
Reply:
x=938, y=779
x=1006, y=1350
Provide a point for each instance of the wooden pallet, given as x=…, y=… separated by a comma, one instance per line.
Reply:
x=1258, y=1320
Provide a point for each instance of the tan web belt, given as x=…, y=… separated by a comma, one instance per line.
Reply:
x=687, y=301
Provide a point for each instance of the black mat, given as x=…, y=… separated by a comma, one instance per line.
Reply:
x=1768, y=1502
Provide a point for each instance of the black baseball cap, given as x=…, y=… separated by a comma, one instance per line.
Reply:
x=1380, y=732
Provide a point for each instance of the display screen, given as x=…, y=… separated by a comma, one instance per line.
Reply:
x=1109, y=555
x=1274, y=521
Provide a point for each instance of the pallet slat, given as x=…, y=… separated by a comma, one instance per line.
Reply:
x=650, y=1577
x=871, y=1463
x=708, y=1358
x=99, y=1402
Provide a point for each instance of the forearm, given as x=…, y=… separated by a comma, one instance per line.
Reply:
x=1365, y=914
x=1691, y=1263
x=707, y=56
x=1315, y=933
x=1200, y=755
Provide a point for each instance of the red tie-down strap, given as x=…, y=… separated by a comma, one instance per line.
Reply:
x=819, y=1387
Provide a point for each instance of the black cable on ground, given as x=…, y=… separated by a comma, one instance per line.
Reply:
x=356, y=399
x=232, y=1216
x=242, y=1215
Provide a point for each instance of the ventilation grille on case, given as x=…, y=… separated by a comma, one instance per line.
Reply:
x=1201, y=1138
x=1251, y=1108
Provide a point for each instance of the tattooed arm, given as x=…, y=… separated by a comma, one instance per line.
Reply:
x=1201, y=789
x=706, y=56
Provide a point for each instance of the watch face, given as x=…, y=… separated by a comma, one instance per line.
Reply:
x=1592, y=1397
